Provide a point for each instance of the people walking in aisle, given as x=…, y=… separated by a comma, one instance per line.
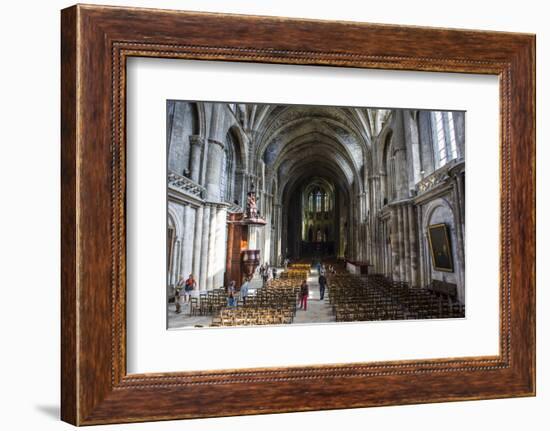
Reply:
x=231, y=294
x=261, y=271
x=304, y=293
x=274, y=271
x=322, y=285
x=231, y=300
x=177, y=296
x=190, y=286
x=244, y=290
x=265, y=275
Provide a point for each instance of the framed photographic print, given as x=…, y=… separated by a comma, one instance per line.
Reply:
x=278, y=249
x=259, y=208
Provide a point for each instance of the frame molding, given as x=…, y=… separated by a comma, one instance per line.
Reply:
x=95, y=43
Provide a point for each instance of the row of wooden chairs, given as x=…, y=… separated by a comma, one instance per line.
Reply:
x=279, y=293
x=247, y=316
x=422, y=302
x=273, y=304
x=208, y=302
x=300, y=266
x=376, y=298
x=295, y=274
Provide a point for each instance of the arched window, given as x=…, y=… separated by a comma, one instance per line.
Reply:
x=317, y=207
x=444, y=137
x=452, y=135
x=328, y=206
x=318, y=199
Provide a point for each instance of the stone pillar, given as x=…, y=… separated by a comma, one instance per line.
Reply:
x=211, y=249
x=239, y=191
x=422, y=258
x=267, y=238
x=400, y=243
x=182, y=256
x=188, y=236
x=213, y=169
x=204, y=247
x=379, y=187
x=394, y=239
x=401, y=179
x=278, y=232
x=198, y=245
x=220, y=250
x=175, y=261
x=355, y=226
x=386, y=256
x=179, y=261
x=197, y=143
x=375, y=205
x=413, y=239
x=413, y=145
x=459, y=187
x=406, y=244
x=363, y=243
x=458, y=118
x=459, y=243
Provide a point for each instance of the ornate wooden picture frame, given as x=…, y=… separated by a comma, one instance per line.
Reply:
x=96, y=41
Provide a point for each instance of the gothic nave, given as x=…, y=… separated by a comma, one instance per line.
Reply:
x=377, y=195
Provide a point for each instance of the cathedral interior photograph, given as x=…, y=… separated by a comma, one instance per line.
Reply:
x=300, y=214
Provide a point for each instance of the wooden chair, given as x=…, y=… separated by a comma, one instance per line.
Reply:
x=194, y=308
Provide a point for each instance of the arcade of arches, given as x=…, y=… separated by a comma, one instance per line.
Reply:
x=355, y=186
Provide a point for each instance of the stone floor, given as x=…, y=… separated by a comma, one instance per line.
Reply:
x=317, y=311
x=184, y=320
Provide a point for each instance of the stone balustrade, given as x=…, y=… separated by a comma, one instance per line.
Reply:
x=234, y=208
x=186, y=185
x=440, y=175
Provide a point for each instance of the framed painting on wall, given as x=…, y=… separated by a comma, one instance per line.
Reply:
x=440, y=247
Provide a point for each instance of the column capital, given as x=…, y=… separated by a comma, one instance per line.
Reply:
x=216, y=205
x=213, y=141
x=196, y=140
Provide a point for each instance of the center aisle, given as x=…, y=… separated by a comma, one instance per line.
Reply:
x=317, y=311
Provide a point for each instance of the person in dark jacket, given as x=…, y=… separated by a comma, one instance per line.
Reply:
x=322, y=285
